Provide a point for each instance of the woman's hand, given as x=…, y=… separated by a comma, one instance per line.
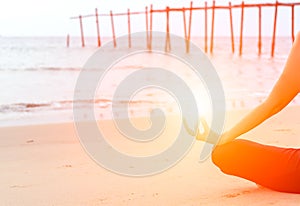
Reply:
x=200, y=135
x=205, y=133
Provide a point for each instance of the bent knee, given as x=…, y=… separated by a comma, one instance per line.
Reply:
x=225, y=156
x=216, y=156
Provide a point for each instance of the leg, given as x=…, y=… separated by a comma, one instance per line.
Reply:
x=272, y=167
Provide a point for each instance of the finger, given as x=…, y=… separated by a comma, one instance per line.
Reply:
x=205, y=126
x=202, y=135
x=188, y=129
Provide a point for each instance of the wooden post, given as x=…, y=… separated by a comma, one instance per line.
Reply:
x=293, y=19
x=231, y=28
x=242, y=25
x=205, y=27
x=167, y=45
x=184, y=23
x=212, y=27
x=129, y=29
x=68, y=41
x=150, y=38
x=97, y=26
x=81, y=31
x=190, y=27
x=184, y=29
x=113, y=28
x=147, y=27
x=274, y=29
x=259, y=30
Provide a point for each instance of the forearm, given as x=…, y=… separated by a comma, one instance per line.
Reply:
x=250, y=121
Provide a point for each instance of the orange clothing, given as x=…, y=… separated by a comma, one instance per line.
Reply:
x=272, y=167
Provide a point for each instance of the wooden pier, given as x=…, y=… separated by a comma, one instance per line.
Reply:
x=187, y=27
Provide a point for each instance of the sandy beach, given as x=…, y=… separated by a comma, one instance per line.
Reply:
x=46, y=165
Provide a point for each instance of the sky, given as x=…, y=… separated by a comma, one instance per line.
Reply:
x=52, y=17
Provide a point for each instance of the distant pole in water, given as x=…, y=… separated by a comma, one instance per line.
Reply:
x=129, y=29
x=81, y=31
x=167, y=44
x=231, y=28
x=147, y=27
x=212, y=27
x=184, y=29
x=259, y=30
x=242, y=25
x=97, y=27
x=205, y=27
x=190, y=26
x=113, y=28
x=151, y=17
x=68, y=41
x=293, y=19
x=274, y=29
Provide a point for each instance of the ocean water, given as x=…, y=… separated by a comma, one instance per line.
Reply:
x=38, y=76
